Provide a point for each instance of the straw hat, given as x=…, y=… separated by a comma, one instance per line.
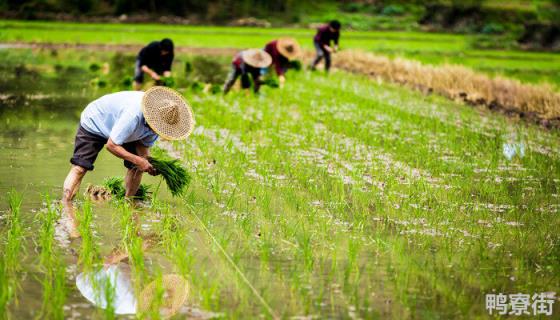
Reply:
x=167, y=113
x=256, y=58
x=288, y=47
x=175, y=294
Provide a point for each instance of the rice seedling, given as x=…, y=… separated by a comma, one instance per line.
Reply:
x=174, y=174
x=11, y=253
x=89, y=251
x=54, y=281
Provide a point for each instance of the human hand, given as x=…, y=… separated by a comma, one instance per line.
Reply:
x=145, y=166
x=155, y=76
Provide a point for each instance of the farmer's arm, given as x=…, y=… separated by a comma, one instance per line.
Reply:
x=151, y=72
x=280, y=71
x=167, y=65
x=142, y=163
x=282, y=80
x=123, y=128
x=336, y=37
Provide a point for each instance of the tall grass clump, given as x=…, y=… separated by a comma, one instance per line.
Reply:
x=9, y=258
x=457, y=82
x=54, y=289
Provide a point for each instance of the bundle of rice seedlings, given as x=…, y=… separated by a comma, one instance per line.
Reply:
x=271, y=82
x=116, y=186
x=167, y=82
x=175, y=176
x=295, y=65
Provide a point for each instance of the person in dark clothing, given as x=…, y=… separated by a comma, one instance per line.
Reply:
x=248, y=63
x=155, y=59
x=322, y=42
x=282, y=52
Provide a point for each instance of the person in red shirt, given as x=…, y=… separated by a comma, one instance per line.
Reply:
x=322, y=41
x=245, y=63
x=282, y=51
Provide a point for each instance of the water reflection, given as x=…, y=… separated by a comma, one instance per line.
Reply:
x=510, y=150
x=112, y=286
x=117, y=278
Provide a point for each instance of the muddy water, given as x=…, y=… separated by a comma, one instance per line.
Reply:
x=38, y=122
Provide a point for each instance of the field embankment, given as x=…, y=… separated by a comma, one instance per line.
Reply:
x=540, y=103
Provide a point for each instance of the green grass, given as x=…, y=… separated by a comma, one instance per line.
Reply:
x=427, y=47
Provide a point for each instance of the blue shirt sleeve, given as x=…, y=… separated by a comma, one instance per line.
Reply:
x=149, y=140
x=124, y=127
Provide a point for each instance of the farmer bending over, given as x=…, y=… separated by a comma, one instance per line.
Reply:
x=155, y=59
x=129, y=123
x=245, y=63
x=282, y=52
x=322, y=42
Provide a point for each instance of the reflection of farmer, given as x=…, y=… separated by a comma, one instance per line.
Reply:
x=322, y=42
x=154, y=59
x=245, y=63
x=282, y=52
x=128, y=122
x=115, y=275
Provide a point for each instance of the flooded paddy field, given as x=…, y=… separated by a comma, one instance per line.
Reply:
x=335, y=197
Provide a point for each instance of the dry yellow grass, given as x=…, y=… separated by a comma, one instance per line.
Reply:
x=458, y=83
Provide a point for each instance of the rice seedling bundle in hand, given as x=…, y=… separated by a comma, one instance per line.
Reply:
x=175, y=176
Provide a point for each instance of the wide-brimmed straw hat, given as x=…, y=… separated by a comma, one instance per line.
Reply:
x=288, y=47
x=256, y=58
x=167, y=113
x=175, y=294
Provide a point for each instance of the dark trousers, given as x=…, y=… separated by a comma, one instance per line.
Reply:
x=320, y=54
x=245, y=80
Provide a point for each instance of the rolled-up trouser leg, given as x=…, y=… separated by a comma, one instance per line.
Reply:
x=327, y=60
x=234, y=73
x=318, y=54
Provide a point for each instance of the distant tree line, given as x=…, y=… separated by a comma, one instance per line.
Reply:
x=219, y=9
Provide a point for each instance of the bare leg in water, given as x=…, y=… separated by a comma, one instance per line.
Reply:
x=132, y=182
x=133, y=175
x=70, y=188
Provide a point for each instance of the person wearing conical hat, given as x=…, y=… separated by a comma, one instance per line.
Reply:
x=322, y=42
x=282, y=51
x=247, y=63
x=128, y=123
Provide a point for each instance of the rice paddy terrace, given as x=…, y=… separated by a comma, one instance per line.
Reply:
x=335, y=197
